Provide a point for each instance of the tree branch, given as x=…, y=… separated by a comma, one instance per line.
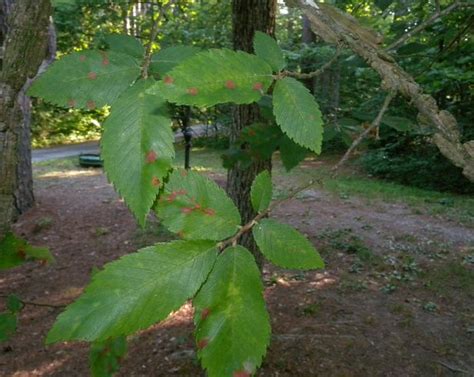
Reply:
x=361, y=137
x=310, y=75
x=232, y=241
x=433, y=18
x=153, y=34
x=40, y=304
x=335, y=26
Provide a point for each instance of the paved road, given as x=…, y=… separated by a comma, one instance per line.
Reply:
x=70, y=150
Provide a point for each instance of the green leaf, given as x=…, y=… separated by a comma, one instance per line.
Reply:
x=125, y=44
x=86, y=79
x=7, y=326
x=297, y=113
x=267, y=48
x=398, y=123
x=104, y=357
x=232, y=323
x=261, y=191
x=383, y=4
x=14, y=304
x=166, y=59
x=136, y=291
x=195, y=207
x=285, y=246
x=291, y=154
x=60, y=3
x=14, y=251
x=216, y=76
x=39, y=253
x=137, y=147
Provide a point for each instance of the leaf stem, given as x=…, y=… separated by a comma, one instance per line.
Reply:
x=232, y=241
x=361, y=137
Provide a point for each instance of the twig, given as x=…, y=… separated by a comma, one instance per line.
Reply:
x=451, y=368
x=153, y=34
x=375, y=123
x=32, y=303
x=310, y=75
x=232, y=241
x=433, y=18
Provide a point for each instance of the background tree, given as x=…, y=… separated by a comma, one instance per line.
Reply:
x=24, y=36
x=248, y=16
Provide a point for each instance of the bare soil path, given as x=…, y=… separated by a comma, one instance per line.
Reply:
x=396, y=299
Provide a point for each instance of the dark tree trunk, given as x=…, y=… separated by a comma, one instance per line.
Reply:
x=248, y=16
x=24, y=33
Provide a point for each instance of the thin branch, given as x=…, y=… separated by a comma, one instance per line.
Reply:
x=433, y=18
x=310, y=75
x=232, y=241
x=452, y=368
x=41, y=304
x=149, y=47
x=375, y=124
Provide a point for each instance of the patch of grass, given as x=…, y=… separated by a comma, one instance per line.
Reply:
x=451, y=276
x=201, y=159
x=152, y=233
x=344, y=240
x=42, y=223
x=348, y=283
x=312, y=310
x=69, y=163
x=353, y=183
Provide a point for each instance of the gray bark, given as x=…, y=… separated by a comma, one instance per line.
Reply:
x=24, y=29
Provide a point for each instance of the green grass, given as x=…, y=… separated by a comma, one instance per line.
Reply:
x=354, y=184
x=451, y=276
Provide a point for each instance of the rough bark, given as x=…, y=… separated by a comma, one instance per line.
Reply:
x=25, y=40
x=335, y=26
x=248, y=16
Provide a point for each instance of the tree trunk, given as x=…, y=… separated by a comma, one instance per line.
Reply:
x=24, y=40
x=248, y=16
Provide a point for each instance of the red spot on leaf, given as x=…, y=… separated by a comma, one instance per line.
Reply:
x=209, y=211
x=202, y=343
x=90, y=105
x=186, y=210
x=21, y=252
x=205, y=313
x=82, y=58
x=92, y=75
x=252, y=133
x=258, y=86
x=181, y=192
x=197, y=206
x=155, y=182
x=71, y=103
x=168, y=80
x=241, y=373
x=105, y=61
x=192, y=91
x=184, y=173
x=173, y=196
x=230, y=84
x=151, y=157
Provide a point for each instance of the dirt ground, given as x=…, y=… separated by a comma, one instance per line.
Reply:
x=396, y=298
